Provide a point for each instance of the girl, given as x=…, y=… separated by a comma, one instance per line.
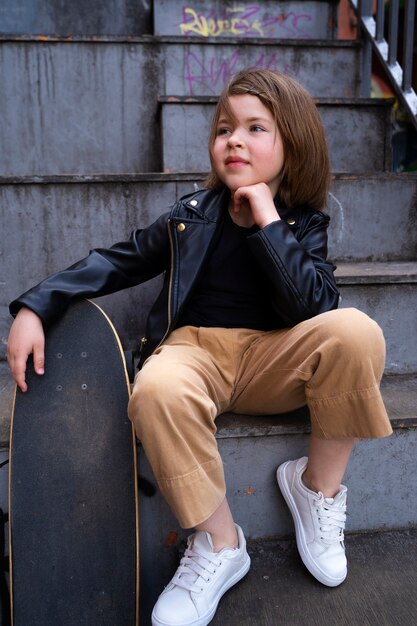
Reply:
x=246, y=322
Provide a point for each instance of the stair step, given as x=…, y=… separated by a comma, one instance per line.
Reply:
x=185, y=126
x=362, y=214
x=79, y=107
x=252, y=447
x=376, y=273
x=379, y=588
x=295, y=19
x=96, y=211
x=200, y=68
x=387, y=293
x=68, y=105
x=75, y=19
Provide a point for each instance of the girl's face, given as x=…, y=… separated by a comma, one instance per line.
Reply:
x=248, y=147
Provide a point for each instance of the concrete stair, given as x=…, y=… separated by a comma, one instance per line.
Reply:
x=293, y=19
x=94, y=211
x=380, y=479
x=104, y=131
x=117, y=85
x=201, y=67
x=185, y=124
x=279, y=590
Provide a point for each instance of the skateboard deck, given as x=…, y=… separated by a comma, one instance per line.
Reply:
x=73, y=516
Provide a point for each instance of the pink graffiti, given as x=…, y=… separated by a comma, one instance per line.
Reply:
x=241, y=21
x=211, y=75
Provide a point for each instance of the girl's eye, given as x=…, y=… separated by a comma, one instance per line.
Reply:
x=222, y=131
x=256, y=128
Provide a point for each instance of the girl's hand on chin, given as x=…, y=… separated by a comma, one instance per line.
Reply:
x=253, y=204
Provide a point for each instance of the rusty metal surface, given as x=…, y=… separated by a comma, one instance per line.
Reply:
x=76, y=17
x=307, y=19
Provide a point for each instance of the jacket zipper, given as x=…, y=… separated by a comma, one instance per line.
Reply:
x=170, y=284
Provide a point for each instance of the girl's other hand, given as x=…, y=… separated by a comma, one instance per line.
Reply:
x=26, y=337
x=253, y=204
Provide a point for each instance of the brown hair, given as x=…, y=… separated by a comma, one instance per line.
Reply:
x=305, y=175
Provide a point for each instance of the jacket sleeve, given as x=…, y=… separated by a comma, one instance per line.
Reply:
x=103, y=271
x=296, y=265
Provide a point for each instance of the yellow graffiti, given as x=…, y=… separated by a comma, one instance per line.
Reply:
x=216, y=27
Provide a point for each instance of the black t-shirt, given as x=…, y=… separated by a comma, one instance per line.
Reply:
x=231, y=291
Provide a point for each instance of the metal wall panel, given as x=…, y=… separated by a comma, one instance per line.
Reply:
x=294, y=19
x=78, y=108
x=72, y=18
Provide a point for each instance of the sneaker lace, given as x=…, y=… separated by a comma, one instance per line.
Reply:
x=332, y=518
x=194, y=566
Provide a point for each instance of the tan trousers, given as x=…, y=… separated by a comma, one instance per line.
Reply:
x=332, y=362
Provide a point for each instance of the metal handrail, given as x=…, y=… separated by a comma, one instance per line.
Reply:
x=372, y=25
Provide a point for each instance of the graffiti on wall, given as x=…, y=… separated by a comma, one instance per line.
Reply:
x=209, y=75
x=249, y=21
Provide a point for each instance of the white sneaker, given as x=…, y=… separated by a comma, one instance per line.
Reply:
x=319, y=524
x=203, y=576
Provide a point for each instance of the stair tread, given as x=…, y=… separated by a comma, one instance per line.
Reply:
x=376, y=272
x=379, y=588
x=317, y=17
x=348, y=101
x=178, y=39
x=399, y=393
x=163, y=177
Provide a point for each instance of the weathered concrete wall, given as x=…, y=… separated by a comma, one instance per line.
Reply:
x=78, y=108
x=294, y=19
x=185, y=129
x=394, y=307
x=308, y=19
x=46, y=227
x=71, y=18
x=256, y=503
x=91, y=107
x=204, y=68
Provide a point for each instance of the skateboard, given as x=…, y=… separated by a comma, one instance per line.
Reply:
x=73, y=514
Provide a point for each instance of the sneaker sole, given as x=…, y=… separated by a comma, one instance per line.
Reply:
x=203, y=620
x=303, y=550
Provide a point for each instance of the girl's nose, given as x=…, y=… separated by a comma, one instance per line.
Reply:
x=235, y=139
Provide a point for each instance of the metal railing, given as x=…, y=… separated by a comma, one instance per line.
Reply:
x=372, y=21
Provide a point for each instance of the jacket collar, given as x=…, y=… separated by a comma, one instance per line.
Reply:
x=208, y=204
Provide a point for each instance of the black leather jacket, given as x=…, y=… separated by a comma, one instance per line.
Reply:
x=291, y=252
